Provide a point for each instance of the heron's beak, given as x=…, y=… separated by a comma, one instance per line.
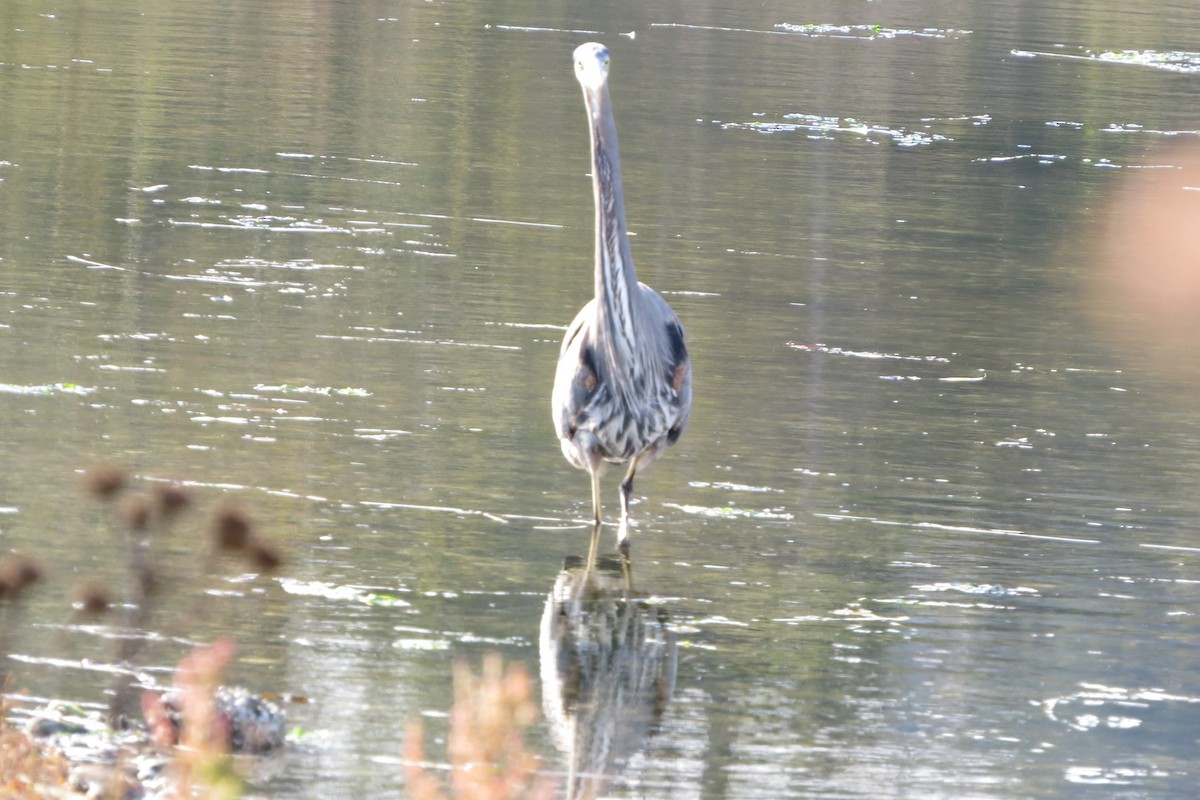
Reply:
x=593, y=100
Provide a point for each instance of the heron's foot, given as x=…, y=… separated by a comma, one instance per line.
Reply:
x=623, y=532
x=627, y=567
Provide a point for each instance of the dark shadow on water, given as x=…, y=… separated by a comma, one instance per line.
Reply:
x=608, y=662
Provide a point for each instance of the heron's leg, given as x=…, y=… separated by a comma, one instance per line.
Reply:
x=594, y=474
x=592, y=548
x=626, y=493
x=627, y=571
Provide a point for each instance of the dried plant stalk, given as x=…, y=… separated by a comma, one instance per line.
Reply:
x=28, y=771
x=489, y=759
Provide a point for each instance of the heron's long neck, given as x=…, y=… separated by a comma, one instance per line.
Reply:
x=617, y=291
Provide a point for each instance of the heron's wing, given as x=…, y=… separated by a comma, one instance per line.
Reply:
x=675, y=389
x=679, y=378
x=576, y=378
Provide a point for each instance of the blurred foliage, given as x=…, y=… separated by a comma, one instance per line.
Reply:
x=488, y=756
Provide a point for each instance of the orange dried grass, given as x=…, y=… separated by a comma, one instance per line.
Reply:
x=27, y=771
x=489, y=759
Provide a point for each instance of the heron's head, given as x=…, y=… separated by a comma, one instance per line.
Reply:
x=591, y=65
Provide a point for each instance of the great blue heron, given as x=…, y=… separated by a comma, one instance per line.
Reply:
x=623, y=387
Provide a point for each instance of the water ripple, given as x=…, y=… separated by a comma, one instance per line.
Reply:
x=1184, y=61
x=825, y=127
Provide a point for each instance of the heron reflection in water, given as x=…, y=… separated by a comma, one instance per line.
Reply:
x=608, y=664
x=623, y=387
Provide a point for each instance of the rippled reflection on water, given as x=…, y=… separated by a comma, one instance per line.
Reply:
x=929, y=532
x=608, y=665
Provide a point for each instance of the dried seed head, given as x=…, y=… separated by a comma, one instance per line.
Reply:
x=17, y=573
x=172, y=499
x=136, y=513
x=91, y=597
x=265, y=556
x=231, y=528
x=105, y=481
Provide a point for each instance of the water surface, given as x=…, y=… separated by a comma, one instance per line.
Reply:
x=931, y=529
